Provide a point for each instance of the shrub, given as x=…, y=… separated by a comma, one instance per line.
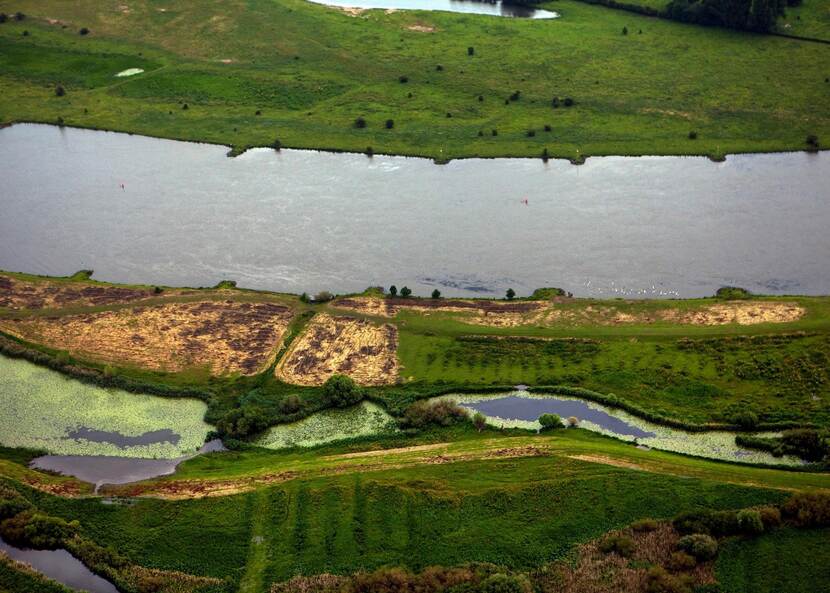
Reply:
x=9, y=507
x=479, y=421
x=471, y=51
x=732, y=293
x=699, y=545
x=403, y=79
x=510, y=294
x=276, y=144
x=618, y=544
x=360, y=122
x=750, y=522
x=449, y=114
x=37, y=530
x=3, y=17
x=441, y=413
x=185, y=107
x=545, y=154
x=555, y=102
x=515, y=95
x=369, y=151
x=708, y=522
x=644, y=525
x=808, y=509
x=495, y=132
x=406, y=291
x=390, y=124
x=770, y=516
x=385, y=580
x=812, y=141
x=84, y=31
x=341, y=391
x=436, y=294
x=568, y=102
x=242, y=422
x=439, y=67
x=19, y=16
x=807, y=443
x=59, y=91
x=531, y=133
x=324, y=296
x=480, y=98
x=692, y=135
x=680, y=561
x=504, y=583
x=745, y=419
x=625, y=30
x=393, y=290
x=548, y=128
x=658, y=580
x=550, y=421
x=290, y=404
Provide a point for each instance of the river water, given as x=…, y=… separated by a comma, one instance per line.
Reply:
x=308, y=221
x=463, y=6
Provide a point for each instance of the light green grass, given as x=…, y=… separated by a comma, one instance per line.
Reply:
x=311, y=70
x=811, y=19
x=40, y=406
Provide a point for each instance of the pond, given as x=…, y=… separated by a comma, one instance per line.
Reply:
x=308, y=221
x=43, y=409
x=522, y=409
x=494, y=8
x=60, y=566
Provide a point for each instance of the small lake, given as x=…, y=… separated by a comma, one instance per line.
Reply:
x=60, y=566
x=103, y=469
x=522, y=409
x=300, y=221
x=464, y=6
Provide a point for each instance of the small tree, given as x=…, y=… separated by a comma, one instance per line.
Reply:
x=692, y=135
x=568, y=102
x=370, y=152
x=323, y=296
x=360, y=122
x=393, y=290
x=390, y=124
x=276, y=145
x=494, y=132
x=19, y=16
x=510, y=294
x=471, y=51
x=59, y=91
x=341, y=391
x=84, y=31
x=436, y=294
x=3, y=17
x=403, y=79
x=812, y=141
x=550, y=421
x=625, y=30
x=406, y=291
x=479, y=421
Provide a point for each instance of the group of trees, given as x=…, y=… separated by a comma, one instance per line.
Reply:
x=750, y=15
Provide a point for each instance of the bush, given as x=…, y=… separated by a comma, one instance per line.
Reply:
x=515, y=96
x=83, y=31
x=568, y=102
x=750, y=522
x=531, y=133
x=692, y=135
x=290, y=404
x=59, y=91
x=440, y=413
x=393, y=290
x=701, y=546
x=807, y=443
x=548, y=128
x=9, y=507
x=3, y=17
x=479, y=421
x=812, y=141
x=276, y=144
x=439, y=67
x=39, y=531
x=550, y=421
x=618, y=544
x=770, y=516
x=680, y=561
x=324, y=296
x=471, y=51
x=808, y=509
x=436, y=294
x=341, y=391
x=658, y=580
x=625, y=30
x=242, y=422
x=390, y=124
x=718, y=523
x=732, y=293
x=403, y=79
x=494, y=132
x=504, y=583
x=406, y=291
x=369, y=151
x=644, y=525
x=19, y=16
x=360, y=122
x=745, y=419
x=185, y=107
x=510, y=294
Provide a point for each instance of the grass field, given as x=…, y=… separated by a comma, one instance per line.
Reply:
x=796, y=561
x=310, y=71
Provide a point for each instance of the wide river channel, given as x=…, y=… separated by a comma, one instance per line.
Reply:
x=138, y=209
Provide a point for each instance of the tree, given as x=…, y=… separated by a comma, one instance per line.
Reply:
x=510, y=294
x=406, y=291
x=276, y=144
x=360, y=122
x=550, y=421
x=341, y=391
x=471, y=51
x=393, y=290
x=390, y=124
x=625, y=30
x=479, y=421
x=436, y=294
x=84, y=31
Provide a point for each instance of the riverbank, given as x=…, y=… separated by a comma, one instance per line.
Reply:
x=233, y=87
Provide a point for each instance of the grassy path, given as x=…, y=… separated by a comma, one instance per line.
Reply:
x=252, y=580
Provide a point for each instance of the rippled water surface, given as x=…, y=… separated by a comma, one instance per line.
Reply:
x=307, y=221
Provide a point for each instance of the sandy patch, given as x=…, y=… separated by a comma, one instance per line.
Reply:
x=342, y=345
x=421, y=28
x=224, y=336
x=350, y=10
x=742, y=313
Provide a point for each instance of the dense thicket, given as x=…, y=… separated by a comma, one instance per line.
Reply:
x=750, y=15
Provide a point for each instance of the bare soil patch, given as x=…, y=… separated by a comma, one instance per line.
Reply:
x=224, y=336
x=742, y=313
x=342, y=345
x=608, y=461
x=391, y=307
x=48, y=294
x=421, y=28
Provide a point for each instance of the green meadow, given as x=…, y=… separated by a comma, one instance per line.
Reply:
x=250, y=73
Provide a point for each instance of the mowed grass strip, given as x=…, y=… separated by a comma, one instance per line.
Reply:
x=256, y=71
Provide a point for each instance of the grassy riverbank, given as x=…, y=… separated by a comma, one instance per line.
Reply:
x=250, y=73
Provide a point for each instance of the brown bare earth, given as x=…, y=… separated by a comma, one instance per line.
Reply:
x=342, y=345
x=552, y=313
x=224, y=336
x=50, y=294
